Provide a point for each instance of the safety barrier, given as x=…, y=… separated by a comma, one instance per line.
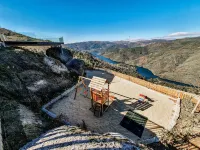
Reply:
x=162, y=89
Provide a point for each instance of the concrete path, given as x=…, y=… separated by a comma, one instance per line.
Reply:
x=158, y=109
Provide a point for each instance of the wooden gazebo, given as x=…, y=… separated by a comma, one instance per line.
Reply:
x=99, y=95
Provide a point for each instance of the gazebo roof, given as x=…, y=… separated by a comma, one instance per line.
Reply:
x=97, y=83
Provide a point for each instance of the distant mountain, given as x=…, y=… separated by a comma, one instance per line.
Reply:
x=100, y=46
x=90, y=45
x=176, y=60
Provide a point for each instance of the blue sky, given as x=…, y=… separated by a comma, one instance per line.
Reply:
x=84, y=20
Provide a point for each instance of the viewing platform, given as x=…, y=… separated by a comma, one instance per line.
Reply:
x=27, y=43
x=45, y=42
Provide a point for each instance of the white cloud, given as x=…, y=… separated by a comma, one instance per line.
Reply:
x=172, y=36
x=185, y=34
x=136, y=39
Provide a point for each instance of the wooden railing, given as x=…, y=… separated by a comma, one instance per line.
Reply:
x=162, y=89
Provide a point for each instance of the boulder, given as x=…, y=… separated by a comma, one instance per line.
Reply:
x=55, y=65
x=76, y=65
x=2, y=44
x=59, y=53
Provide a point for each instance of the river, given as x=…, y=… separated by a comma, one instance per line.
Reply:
x=144, y=72
x=108, y=60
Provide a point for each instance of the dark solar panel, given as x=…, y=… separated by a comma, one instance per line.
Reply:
x=134, y=122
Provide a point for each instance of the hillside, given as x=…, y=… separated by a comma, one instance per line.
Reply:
x=171, y=59
x=28, y=80
x=89, y=46
x=101, y=46
x=175, y=60
x=14, y=36
x=26, y=83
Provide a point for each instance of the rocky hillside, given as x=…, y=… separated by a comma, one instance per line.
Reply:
x=14, y=36
x=175, y=60
x=27, y=81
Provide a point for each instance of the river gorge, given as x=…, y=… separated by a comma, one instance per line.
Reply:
x=144, y=72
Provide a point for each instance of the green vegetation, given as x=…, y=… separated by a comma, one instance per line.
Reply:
x=92, y=63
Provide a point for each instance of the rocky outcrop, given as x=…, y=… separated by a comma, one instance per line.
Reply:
x=26, y=83
x=55, y=65
x=2, y=44
x=66, y=57
x=76, y=65
x=30, y=122
x=60, y=54
x=70, y=137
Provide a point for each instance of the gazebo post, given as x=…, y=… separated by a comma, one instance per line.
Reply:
x=91, y=97
x=108, y=94
x=79, y=78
